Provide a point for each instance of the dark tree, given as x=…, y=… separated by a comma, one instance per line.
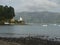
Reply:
x=1, y=12
x=6, y=13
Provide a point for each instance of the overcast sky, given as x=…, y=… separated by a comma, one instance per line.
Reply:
x=33, y=5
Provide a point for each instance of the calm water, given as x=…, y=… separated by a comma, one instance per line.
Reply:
x=52, y=30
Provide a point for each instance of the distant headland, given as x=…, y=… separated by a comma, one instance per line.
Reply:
x=7, y=15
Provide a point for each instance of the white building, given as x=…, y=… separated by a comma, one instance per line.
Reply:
x=21, y=19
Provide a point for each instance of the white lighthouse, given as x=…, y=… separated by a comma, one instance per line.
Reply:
x=21, y=19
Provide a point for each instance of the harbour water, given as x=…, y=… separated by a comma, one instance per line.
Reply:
x=51, y=30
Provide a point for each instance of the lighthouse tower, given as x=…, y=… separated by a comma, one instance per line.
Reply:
x=21, y=21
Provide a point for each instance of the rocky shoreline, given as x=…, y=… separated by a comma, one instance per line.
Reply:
x=27, y=41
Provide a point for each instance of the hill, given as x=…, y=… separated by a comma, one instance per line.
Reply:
x=39, y=17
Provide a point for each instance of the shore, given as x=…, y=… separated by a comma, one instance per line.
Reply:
x=27, y=41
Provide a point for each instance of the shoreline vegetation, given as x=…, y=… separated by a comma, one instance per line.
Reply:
x=7, y=15
x=27, y=41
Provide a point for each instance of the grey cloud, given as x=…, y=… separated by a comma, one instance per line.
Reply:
x=32, y=5
x=37, y=5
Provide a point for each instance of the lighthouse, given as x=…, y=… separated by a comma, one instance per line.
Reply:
x=21, y=21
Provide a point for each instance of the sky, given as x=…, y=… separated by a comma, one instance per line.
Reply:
x=33, y=5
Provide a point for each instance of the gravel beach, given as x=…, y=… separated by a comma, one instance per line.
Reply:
x=27, y=41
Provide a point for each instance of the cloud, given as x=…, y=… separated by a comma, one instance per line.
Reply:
x=37, y=5
x=57, y=1
x=32, y=5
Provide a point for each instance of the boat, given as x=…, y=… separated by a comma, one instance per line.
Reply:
x=44, y=25
x=6, y=23
x=55, y=24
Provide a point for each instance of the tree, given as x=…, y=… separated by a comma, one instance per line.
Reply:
x=1, y=12
x=9, y=12
x=6, y=13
